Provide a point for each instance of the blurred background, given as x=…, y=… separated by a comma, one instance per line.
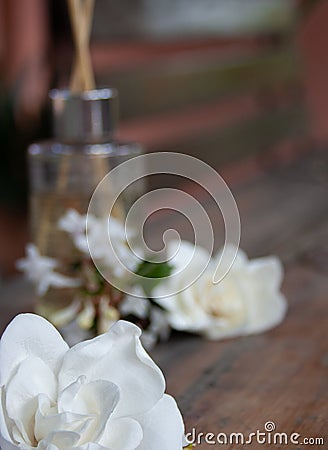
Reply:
x=222, y=80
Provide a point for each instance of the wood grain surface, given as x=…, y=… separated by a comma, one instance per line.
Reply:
x=237, y=385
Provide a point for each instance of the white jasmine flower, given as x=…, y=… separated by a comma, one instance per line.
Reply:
x=73, y=222
x=114, y=253
x=105, y=393
x=105, y=241
x=40, y=270
x=248, y=300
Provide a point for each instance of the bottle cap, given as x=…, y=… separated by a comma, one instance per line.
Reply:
x=88, y=116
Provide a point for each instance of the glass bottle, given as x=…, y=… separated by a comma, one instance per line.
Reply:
x=65, y=171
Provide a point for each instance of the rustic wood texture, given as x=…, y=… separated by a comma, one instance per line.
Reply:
x=238, y=385
x=281, y=376
x=199, y=78
x=185, y=100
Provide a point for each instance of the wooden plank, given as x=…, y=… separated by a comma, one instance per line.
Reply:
x=116, y=56
x=164, y=130
x=177, y=18
x=193, y=81
x=288, y=206
x=249, y=136
x=280, y=376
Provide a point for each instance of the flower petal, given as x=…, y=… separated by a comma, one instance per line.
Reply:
x=22, y=394
x=29, y=335
x=222, y=329
x=72, y=222
x=61, y=440
x=90, y=446
x=47, y=420
x=62, y=281
x=123, y=434
x=162, y=426
x=184, y=311
x=189, y=263
x=182, y=252
x=97, y=399
x=6, y=445
x=4, y=421
x=118, y=357
x=238, y=256
x=269, y=269
x=266, y=305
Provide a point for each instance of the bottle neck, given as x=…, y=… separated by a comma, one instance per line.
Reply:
x=89, y=116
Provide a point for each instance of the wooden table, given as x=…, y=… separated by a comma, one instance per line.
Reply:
x=238, y=385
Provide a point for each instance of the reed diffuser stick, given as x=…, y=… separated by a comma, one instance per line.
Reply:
x=81, y=14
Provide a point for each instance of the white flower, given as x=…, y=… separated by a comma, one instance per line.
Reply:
x=73, y=222
x=40, y=270
x=104, y=251
x=248, y=300
x=110, y=252
x=105, y=393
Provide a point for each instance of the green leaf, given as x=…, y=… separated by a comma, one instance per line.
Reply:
x=152, y=272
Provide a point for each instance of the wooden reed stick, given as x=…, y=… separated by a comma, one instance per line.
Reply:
x=81, y=13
